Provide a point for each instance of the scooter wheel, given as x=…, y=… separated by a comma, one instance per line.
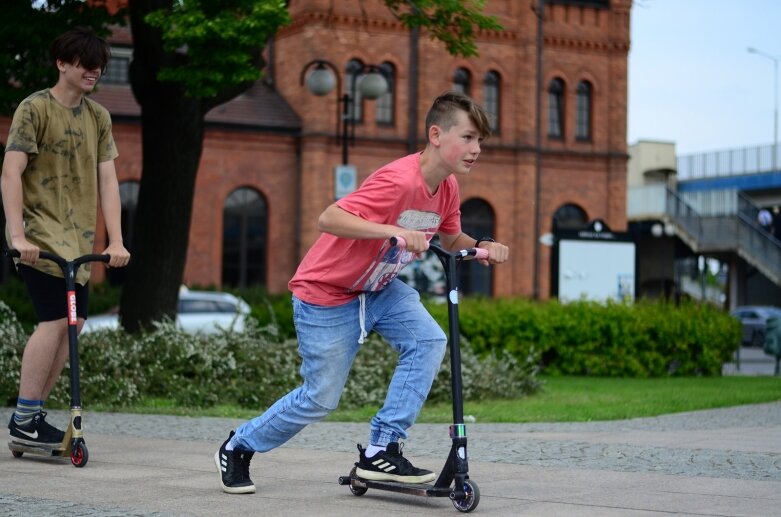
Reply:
x=472, y=497
x=356, y=489
x=79, y=455
x=17, y=454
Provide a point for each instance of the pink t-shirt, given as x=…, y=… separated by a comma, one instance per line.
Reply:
x=336, y=270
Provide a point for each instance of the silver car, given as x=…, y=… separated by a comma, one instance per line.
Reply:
x=754, y=320
x=205, y=312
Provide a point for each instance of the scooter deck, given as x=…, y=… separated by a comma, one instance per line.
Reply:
x=420, y=489
x=39, y=449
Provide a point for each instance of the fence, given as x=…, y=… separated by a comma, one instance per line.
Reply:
x=729, y=162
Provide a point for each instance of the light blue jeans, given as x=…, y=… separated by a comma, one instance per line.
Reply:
x=328, y=342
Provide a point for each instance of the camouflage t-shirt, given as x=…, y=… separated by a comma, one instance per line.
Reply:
x=60, y=183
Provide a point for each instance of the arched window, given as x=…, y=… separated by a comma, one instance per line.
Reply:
x=353, y=73
x=583, y=111
x=244, y=243
x=385, y=106
x=491, y=99
x=462, y=81
x=569, y=217
x=556, y=109
x=477, y=220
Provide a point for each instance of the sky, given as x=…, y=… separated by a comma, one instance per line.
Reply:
x=692, y=80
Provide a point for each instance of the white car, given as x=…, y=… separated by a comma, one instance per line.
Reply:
x=205, y=312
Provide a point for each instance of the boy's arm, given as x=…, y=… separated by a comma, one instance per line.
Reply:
x=497, y=252
x=111, y=207
x=14, y=164
x=339, y=222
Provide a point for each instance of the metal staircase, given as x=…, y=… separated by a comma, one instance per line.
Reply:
x=729, y=233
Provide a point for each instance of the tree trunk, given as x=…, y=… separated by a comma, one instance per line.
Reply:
x=172, y=132
x=172, y=141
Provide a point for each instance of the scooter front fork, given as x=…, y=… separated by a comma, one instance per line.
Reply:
x=74, y=434
x=457, y=465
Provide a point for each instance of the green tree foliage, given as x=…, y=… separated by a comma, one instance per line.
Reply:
x=454, y=23
x=219, y=41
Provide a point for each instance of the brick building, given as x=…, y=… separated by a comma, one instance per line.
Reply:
x=269, y=157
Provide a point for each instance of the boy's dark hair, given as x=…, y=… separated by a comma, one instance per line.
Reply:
x=81, y=46
x=443, y=113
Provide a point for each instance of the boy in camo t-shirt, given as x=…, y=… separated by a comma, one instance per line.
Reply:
x=59, y=155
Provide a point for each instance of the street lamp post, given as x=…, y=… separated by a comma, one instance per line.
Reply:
x=775, y=61
x=325, y=76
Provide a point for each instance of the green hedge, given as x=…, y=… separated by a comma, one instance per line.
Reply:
x=251, y=369
x=644, y=339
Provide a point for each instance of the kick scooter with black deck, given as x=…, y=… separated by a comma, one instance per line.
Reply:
x=453, y=481
x=73, y=443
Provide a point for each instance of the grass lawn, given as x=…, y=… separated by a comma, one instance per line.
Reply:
x=563, y=399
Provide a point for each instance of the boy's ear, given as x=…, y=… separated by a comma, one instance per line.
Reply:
x=434, y=132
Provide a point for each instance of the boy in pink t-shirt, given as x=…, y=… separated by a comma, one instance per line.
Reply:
x=346, y=286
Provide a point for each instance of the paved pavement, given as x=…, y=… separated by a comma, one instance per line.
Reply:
x=724, y=462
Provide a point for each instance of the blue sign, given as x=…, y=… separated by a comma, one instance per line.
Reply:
x=345, y=180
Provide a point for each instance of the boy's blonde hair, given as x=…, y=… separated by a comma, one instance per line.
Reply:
x=443, y=113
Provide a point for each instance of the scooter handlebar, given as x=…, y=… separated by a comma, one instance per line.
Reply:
x=12, y=253
x=478, y=253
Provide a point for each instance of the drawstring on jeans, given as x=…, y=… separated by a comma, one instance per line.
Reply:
x=362, y=317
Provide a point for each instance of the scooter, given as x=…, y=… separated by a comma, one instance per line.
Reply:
x=453, y=481
x=73, y=443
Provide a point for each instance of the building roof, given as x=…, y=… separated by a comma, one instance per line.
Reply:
x=260, y=107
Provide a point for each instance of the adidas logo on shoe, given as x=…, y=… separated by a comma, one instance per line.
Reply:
x=390, y=465
x=233, y=468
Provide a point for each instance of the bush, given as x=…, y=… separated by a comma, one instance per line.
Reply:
x=645, y=339
x=269, y=309
x=12, y=341
x=251, y=369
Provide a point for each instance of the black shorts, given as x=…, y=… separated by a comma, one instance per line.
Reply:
x=49, y=297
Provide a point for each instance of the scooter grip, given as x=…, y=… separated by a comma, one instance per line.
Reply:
x=481, y=253
x=398, y=241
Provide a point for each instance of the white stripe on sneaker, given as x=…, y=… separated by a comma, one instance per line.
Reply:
x=384, y=465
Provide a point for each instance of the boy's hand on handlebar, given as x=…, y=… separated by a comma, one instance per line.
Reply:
x=416, y=242
x=28, y=252
x=119, y=255
x=497, y=253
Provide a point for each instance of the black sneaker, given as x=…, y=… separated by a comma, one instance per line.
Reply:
x=390, y=465
x=233, y=467
x=36, y=432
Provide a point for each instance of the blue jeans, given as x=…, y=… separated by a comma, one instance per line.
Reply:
x=327, y=343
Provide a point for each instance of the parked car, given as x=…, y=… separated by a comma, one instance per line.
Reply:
x=754, y=320
x=204, y=312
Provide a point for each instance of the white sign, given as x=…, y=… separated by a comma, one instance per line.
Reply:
x=345, y=180
x=596, y=270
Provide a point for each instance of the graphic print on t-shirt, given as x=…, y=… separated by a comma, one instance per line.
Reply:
x=391, y=259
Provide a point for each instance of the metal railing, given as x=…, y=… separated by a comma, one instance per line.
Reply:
x=729, y=162
x=737, y=229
